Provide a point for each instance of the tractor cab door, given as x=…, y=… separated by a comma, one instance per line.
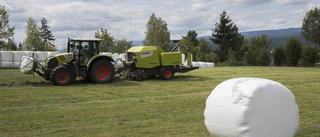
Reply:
x=84, y=51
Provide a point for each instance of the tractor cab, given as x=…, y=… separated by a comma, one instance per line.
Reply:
x=83, y=49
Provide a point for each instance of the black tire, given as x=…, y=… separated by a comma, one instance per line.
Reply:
x=61, y=76
x=101, y=71
x=166, y=73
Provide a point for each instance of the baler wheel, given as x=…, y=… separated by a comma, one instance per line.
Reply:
x=166, y=73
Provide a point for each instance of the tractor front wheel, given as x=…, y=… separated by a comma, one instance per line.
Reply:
x=61, y=76
x=101, y=71
x=166, y=73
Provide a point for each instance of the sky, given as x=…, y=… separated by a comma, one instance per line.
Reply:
x=128, y=18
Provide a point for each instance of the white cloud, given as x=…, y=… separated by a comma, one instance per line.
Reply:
x=127, y=19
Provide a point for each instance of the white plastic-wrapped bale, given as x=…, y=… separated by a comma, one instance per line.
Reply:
x=107, y=53
x=26, y=64
x=8, y=65
x=33, y=54
x=195, y=64
x=42, y=56
x=183, y=57
x=203, y=64
x=50, y=54
x=6, y=59
x=251, y=107
x=122, y=56
x=115, y=56
x=210, y=64
x=6, y=56
x=17, y=56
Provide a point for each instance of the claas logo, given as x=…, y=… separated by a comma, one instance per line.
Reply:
x=144, y=53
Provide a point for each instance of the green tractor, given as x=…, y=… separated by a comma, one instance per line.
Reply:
x=83, y=59
x=144, y=61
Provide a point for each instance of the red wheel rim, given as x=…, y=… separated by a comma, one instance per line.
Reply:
x=62, y=76
x=167, y=73
x=103, y=72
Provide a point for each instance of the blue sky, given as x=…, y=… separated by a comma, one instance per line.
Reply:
x=127, y=18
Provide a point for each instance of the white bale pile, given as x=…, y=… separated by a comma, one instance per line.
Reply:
x=50, y=54
x=17, y=56
x=251, y=107
x=6, y=59
x=210, y=64
x=195, y=64
x=42, y=56
x=203, y=64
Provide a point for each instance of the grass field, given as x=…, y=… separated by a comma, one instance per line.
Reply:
x=35, y=107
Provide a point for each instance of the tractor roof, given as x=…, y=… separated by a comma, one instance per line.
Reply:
x=85, y=39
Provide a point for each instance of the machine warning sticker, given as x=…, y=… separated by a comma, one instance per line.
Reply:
x=68, y=56
x=146, y=54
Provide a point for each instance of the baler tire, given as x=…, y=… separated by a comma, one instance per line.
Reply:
x=61, y=76
x=101, y=71
x=166, y=73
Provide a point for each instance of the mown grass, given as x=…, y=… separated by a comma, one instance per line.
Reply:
x=35, y=107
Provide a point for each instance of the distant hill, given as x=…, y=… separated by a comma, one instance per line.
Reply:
x=280, y=36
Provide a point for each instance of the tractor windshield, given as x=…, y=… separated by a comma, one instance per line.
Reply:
x=84, y=50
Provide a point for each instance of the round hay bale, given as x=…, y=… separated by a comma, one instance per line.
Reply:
x=26, y=64
x=123, y=57
x=251, y=107
x=115, y=56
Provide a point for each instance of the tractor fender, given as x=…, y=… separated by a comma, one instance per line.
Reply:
x=97, y=57
x=73, y=70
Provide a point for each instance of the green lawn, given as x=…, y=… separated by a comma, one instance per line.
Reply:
x=35, y=107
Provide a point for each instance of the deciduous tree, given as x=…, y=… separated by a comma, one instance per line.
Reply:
x=33, y=41
x=6, y=32
x=107, y=39
x=157, y=32
x=311, y=26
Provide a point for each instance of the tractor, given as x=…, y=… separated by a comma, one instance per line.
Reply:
x=144, y=61
x=83, y=59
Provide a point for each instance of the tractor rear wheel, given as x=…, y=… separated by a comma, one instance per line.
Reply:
x=61, y=76
x=166, y=73
x=101, y=71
